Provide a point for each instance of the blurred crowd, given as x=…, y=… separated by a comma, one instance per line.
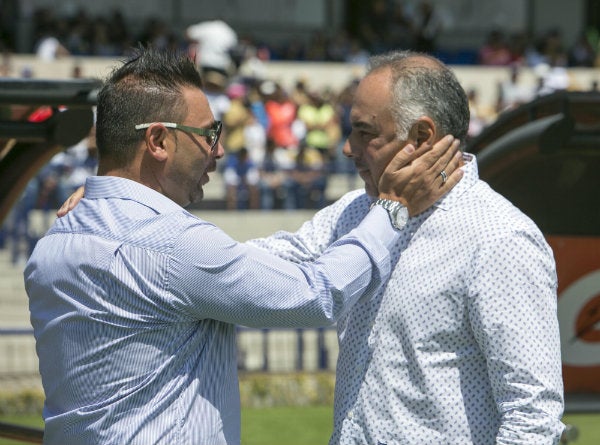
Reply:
x=281, y=145
x=374, y=27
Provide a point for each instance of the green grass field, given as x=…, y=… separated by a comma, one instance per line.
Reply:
x=312, y=426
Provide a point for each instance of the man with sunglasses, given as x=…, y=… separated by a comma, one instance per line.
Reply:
x=134, y=301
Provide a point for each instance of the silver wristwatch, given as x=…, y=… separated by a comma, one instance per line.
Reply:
x=397, y=211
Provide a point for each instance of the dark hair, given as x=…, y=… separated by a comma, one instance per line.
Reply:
x=424, y=86
x=146, y=88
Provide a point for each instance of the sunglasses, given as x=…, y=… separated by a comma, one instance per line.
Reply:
x=212, y=134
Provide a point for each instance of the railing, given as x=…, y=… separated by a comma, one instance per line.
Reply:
x=18, y=358
x=287, y=349
x=258, y=350
x=277, y=350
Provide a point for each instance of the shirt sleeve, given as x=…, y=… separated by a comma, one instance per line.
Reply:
x=513, y=312
x=242, y=284
x=314, y=236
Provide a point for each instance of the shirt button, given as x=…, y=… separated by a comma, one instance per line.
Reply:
x=350, y=414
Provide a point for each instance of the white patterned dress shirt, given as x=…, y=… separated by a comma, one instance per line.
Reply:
x=133, y=302
x=462, y=346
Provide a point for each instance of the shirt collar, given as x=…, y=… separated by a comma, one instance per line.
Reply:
x=470, y=177
x=103, y=187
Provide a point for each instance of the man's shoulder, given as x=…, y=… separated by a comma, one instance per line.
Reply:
x=129, y=221
x=490, y=211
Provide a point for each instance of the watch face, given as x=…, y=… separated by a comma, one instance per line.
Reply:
x=401, y=217
x=398, y=213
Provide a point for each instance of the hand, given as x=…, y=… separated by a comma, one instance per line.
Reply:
x=71, y=202
x=413, y=176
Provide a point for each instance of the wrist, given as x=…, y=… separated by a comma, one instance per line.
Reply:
x=392, y=197
x=397, y=211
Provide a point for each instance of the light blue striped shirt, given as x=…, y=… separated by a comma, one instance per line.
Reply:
x=133, y=302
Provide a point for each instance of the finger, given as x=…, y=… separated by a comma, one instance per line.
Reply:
x=449, y=161
x=442, y=150
x=443, y=163
x=446, y=157
x=64, y=208
x=71, y=202
x=455, y=163
x=453, y=179
x=452, y=173
x=402, y=158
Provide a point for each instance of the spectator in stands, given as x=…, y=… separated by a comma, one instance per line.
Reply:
x=158, y=34
x=282, y=114
x=119, y=34
x=518, y=45
x=553, y=48
x=551, y=79
x=134, y=300
x=513, y=92
x=428, y=24
x=215, y=89
x=5, y=67
x=480, y=114
x=338, y=47
x=257, y=106
x=101, y=43
x=307, y=179
x=403, y=27
x=274, y=180
x=241, y=177
x=235, y=117
x=343, y=164
x=548, y=50
x=322, y=124
x=80, y=35
x=316, y=49
x=495, y=51
x=375, y=24
x=49, y=48
x=212, y=43
x=300, y=94
x=582, y=52
x=243, y=128
x=357, y=54
x=9, y=13
x=49, y=36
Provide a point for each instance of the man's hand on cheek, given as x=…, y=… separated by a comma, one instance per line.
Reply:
x=414, y=176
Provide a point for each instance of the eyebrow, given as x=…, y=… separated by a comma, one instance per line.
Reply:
x=361, y=125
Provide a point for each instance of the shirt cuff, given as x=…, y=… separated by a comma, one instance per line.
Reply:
x=379, y=220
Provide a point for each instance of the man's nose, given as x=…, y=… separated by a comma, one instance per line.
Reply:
x=346, y=150
x=220, y=151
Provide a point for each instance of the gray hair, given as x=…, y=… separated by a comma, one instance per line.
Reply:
x=424, y=86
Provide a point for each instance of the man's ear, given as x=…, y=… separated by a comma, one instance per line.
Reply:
x=422, y=131
x=157, y=142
